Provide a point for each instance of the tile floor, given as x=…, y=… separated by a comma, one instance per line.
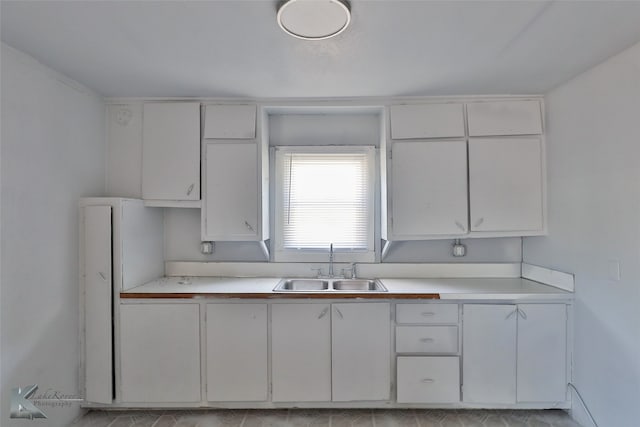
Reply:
x=327, y=418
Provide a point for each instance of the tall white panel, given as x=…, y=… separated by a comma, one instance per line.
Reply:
x=98, y=300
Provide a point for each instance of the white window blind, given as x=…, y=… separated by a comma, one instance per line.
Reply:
x=325, y=197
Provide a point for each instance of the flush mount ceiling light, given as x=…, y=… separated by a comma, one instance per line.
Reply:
x=314, y=19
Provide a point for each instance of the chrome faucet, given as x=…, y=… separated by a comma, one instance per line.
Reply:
x=331, y=261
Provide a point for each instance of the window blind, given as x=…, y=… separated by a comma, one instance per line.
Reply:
x=325, y=200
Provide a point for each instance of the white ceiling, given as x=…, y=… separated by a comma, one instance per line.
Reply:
x=392, y=48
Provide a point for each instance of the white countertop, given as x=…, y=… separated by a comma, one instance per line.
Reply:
x=458, y=289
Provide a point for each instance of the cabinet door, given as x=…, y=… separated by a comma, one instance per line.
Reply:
x=489, y=353
x=230, y=122
x=361, y=351
x=428, y=189
x=506, y=184
x=301, y=352
x=237, y=352
x=171, y=151
x=426, y=121
x=231, y=192
x=160, y=352
x=542, y=352
x=504, y=118
x=98, y=301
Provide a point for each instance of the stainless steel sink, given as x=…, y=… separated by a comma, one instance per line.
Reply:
x=302, y=285
x=358, y=285
x=329, y=285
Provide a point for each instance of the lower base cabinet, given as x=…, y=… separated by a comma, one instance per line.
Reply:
x=514, y=353
x=331, y=352
x=160, y=353
x=237, y=352
x=428, y=379
x=301, y=352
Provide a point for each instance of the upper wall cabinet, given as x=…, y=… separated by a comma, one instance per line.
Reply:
x=171, y=154
x=426, y=121
x=428, y=189
x=235, y=176
x=441, y=180
x=504, y=118
x=506, y=183
x=230, y=122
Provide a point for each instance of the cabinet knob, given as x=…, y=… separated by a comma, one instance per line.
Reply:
x=426, y=340
x=460, y=226
x=428, y=313
x=249, y=227
x=101, y=274
x=522, y=313
x=339, y=313
x=190, y=189
x=478, y=222
x=427, y=380
x=323, y=313
x=511, y=314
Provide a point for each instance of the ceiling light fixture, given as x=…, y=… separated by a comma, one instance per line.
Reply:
x=314, y=19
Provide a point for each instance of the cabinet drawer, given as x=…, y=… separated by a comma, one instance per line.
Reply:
x=426, y=121
x=428, y=379
x=427, y=339
x=504, y=118
x=427, y=313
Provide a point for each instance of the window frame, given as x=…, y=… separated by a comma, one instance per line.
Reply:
x=281, y=254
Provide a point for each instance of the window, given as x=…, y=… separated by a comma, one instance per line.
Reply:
x=324, y=196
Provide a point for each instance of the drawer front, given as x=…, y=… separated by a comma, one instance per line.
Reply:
x=428, y=379
x=427, y=339
x=427, y=313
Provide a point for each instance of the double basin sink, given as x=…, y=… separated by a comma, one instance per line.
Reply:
x=329, y=285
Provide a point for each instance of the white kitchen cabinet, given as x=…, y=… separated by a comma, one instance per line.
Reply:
x=120, y=248
x=160, y=352
x=231, y=210
x=427, y=339
x=230, y=121
x=542, y=353
x=514, y=353
x=98, y=302
x=428, y=379
x=171, y=154
x=489, y=353
x=413, y=121
x=237, y=352
x=361, y=351
x=515, y=117
x=428, y=192
x=506, y=185
x=301, y=352
x=432, y=314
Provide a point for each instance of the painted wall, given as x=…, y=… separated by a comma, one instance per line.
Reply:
x=52, y=154
x=182, y=226
x=594, y=217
